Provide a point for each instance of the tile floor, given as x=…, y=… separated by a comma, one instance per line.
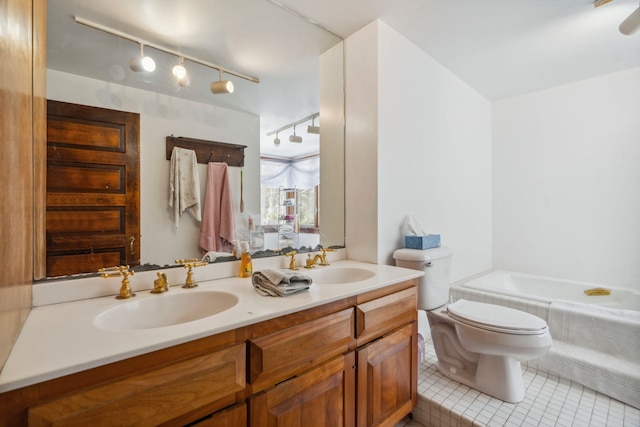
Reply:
x=550, y=401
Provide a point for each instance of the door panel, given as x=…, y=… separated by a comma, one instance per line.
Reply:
x=93, y=188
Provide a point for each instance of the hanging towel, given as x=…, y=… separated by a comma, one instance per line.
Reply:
x=218, y=225
x=184, y=186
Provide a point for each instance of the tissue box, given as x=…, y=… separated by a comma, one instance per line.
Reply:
x=422, y=242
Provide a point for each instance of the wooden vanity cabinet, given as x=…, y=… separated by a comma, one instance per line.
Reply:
x=345, y=363
x=387, y=356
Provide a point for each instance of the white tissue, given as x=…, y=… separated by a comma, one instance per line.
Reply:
x=411, y=227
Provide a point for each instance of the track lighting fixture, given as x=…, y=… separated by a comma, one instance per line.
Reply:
x=294, y=137
x=221, y=86
x=276, y=141
x=142, y=63
x=312, y=128
x=145, y=63
x=180, y=73
x=631, y=25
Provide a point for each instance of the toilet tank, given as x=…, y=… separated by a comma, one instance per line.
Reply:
x=433, y=289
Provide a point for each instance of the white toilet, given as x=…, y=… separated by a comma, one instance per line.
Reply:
x=478, y=344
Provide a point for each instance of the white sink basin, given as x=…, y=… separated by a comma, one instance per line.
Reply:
x=338, y=275
x=165, y=310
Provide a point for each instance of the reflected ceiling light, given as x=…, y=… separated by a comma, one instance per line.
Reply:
x=276, y=141
x=294, y=137
x=221, y=86
x=142, y=63
x=312, y=128
x=180, y=73
x=631, y=25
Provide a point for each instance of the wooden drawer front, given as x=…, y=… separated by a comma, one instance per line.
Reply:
x=387, y=378
x=380, y=316
x=323, y=396
x=204, y=383
x=281, y=355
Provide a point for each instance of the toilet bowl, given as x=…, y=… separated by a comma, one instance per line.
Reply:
x=478, y=344
x=481, y=345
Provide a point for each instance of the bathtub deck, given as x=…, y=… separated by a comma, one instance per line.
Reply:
x=549, y=401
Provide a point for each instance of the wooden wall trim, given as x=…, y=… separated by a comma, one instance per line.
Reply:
x=39, y=138
x=21, y=75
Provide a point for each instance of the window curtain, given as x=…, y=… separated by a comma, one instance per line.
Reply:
x=303, y=173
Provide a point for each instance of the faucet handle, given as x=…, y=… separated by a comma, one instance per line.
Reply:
x=124, y=272
x=190, y=264
x=324, y=255
x=292, y=262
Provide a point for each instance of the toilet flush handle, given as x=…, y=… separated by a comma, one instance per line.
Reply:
x=428, y=264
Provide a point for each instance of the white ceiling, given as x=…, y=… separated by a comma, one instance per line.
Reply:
x=502, y=48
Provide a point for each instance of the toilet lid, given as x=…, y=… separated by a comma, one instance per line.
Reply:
x=496, y=317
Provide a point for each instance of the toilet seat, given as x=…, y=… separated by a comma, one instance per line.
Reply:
x=496, y=318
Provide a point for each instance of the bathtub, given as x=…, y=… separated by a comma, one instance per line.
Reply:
x=596, y=339
x=546, y=289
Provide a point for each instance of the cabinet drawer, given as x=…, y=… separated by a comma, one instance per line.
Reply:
x=282, y=354
x=158, y=396
x=382, y=315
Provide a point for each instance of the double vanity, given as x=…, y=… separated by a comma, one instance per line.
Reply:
x=343, y=352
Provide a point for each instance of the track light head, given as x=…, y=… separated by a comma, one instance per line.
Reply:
x=225, y=86
x=631, y=25
x=276, y=141
x=142, y=63
x=221, y=86
x=312, y=128
x=180, y=73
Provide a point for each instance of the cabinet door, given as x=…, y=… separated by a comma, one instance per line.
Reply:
x=387, y=378
x=323, y=396
x=231, y=417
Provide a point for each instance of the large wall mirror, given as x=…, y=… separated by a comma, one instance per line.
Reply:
x=300, y=70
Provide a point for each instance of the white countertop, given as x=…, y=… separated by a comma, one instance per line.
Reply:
x=61, y=339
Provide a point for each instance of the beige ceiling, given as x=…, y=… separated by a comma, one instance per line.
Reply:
x=502, y=48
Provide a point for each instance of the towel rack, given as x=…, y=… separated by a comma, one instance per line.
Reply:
x=208, y=151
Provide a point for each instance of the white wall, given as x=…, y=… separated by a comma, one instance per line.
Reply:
x=426, y=137
x=161, y=116
x=567, y=181
x=361, y=141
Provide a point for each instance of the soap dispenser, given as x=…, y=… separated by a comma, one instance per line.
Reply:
x=246, y=269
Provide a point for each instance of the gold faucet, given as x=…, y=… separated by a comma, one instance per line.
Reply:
x=311, y=262
x=319, y=259
x=124, y=272
x=190, y=264
x=160, y=285
x=292, y=261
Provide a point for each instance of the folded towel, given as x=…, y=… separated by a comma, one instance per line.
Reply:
x=276, y=283
x=212, y=256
